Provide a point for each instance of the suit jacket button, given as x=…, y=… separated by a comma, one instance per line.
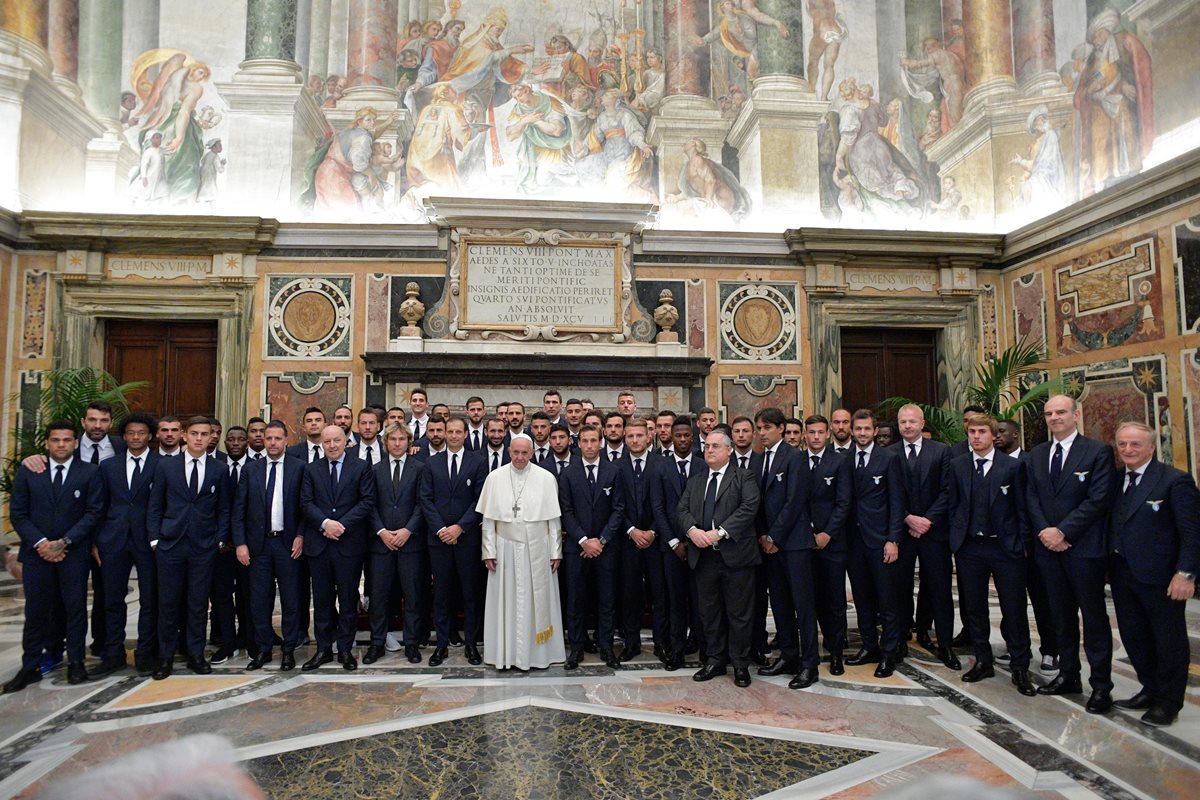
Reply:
x=333, y=511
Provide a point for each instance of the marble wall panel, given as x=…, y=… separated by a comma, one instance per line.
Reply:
x=1187, y=273
x=697, y=317
x=1190, y=379
x=1131, y=389
x=33, y=320
x=285, y=395
x=746, y=395
x=758, y=321
x=379, y=306
x=989, y=322
x=309, y=317
x=1029, y=307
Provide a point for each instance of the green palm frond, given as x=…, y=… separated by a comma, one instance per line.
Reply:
x=998, y=379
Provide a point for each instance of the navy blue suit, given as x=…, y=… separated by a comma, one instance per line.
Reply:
x=591, y=512
x=40, y=511
x=396, y=508
x=640, y=566
x=304, y=451
x=336, y=565
x=829, y=499
x=445, y=503
x=271, y=561
x=188, y=528
x=1154, y=533
x=123, y=544
x=1077, y=504
x=878, y=518
x=665, y=492
x=100, y=632
x=231, y=622
x=927, y=492
x=490, y=463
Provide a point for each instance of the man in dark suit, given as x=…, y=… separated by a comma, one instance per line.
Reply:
x=990, y=535
x=927, y=536
x=665, y=491
x=495, y=451
x=266, y=530
x=55, y=513
x=641, y=565
x=187, y=519
x=830, y=492
x=785, y=537
x=231, y=623
x=432, y=442
x=593, y=516
x=121, y=544
x=1155, y=546
x=449, y=491
x=878, y=524
x=1070, y=495
x=717, y=514
x=398, y=552
x=309, y=450
x=368, y=444
x=560, y=450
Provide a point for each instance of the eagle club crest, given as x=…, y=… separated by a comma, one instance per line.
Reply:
x=1082, y=476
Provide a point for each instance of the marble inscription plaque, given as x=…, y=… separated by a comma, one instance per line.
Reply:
x=890, y=280
x=160, y=268
x=572, y=286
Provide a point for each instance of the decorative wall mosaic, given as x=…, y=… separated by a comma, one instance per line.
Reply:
x=1129, y=389
x=1029, y=307
x=1109, y=297
x=1190, y=364
x=285, y=395
x=696, y=317
x=746, y=395
x=1187, y=274
x=989, y=327
x=758, y=322
x=309, y=317
x=33, y=324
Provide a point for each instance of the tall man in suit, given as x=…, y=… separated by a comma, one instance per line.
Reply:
x=990, y=535
x=560, y=450
x=1070, y=495
x=368, y=446
x=495, y=451
x=641, y=565
x=398, y=552
x=267, y=535
x=337, y=495
x=449, y=491
x=187, y=519
x=122, y=543
x=717, y=514
x=927, y=536
x=312, y=423
x=231, y=580
x=593, y=517
x=830, y=492
x=55, y=513
x=1155, y=546
x=878, y=524
x=476, y=424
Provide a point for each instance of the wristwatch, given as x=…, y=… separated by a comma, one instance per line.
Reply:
x=66, y=540
x=1187, y=576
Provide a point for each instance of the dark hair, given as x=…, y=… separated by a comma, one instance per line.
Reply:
x=539, y=415
x=255, y=421
x=560, y=427
x=512, y=403
x=501, y=420
x=666, y=413
x=771, y=416
x=1012, y=422
x=237, y=428
x=801, y=423
x=194, y=421
x=139, y=418
x=574, y=401
x=421, y=392
x=459, y=418
x=216, y=423
x=394, y=408
x=724, y=428
x=99, y=405
x=552, y=392
x=475, y=399
x=278, y=423
x=682, y=419
x=313, y=410
x=740, y=418
x=814, y=419
x=374, y=412
x=167, y=418
x=612, y=414
x=62, y=425
x=974, y=409
x=865, y=413
x=707, y=410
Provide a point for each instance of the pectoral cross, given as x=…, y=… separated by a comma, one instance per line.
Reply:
x=516, y=506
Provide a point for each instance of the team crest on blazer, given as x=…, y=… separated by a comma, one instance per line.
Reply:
x=877, y=479
x=1082, y=476
x=1154, y=504
x=829, y=480
x=1004, y=489
x=77, y=497
x=468, y=481
x=778, y=476
x=607, y=490
x=212, y=489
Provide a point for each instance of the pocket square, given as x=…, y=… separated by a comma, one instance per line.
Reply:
x=1154, y=504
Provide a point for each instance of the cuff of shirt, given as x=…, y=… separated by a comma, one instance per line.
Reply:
x=39, y=542
x=380, y=531
x=673, y=543
x=724, y=534
x=582, y=539
x=153, y=542
x=629, y=531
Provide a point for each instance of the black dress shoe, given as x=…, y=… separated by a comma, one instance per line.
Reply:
x=108, y=666
x=144, y=665
x=348, y=661
x=1139, y=702
x=373, y=654
x=902, y=651
x=1062, y=685
x=288, y=662
x=1100, y=702
x=708, y=672
x=691, y=646
x=473, y=657
x=1021, y=680
x=758, y=657
x=835, y=665
x=590, y=646
x=947, y=657
x=263, y=657
x=23, y=679
x=660, y=653
x=439, y=655
x=924, y=640
x=779, y=666
x=804, y=679
x=741, y=677
x=1159, y=717
x=456, y=639
x=412, y=653
x=674, y=661
x=164, y=669
x=610, y=659
x=221, y=656
x=573, y=659
x=961, y=639
x=979, y=671
x=863, y=656
x=317, y=661
x=199, y=666
x=887, y=665
x=629, y=653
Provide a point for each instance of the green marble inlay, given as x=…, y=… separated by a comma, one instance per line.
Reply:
x=548, y=753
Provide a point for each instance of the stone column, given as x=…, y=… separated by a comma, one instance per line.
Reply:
x=371, y=51
x=63, y=34
x=270, y=32
x=109, y=156
x=338, y=33
x=318, y=45
x=687, y=66
x=1033, y=46
x=23, y=61
x=303, y=32
x=26, y=19
x=987, y=26
x=777, y=54
x=139, y=32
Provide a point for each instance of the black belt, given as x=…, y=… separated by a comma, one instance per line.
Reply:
x=982, y=535
x=273, y=534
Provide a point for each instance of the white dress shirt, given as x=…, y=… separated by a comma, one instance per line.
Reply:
x=53, y=466
x=908, y=444
x=86, y=446
x=129, y=465
x=1066, y=448
x=277, y=496
x=987, y=458
x=375, y=448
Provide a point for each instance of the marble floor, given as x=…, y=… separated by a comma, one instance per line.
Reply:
x=408, y=731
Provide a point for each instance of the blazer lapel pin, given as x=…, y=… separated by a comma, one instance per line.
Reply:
x=1154, y=504
x=877, y=479
x=1082, y=476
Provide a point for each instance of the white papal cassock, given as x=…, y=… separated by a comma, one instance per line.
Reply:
x=522, y=621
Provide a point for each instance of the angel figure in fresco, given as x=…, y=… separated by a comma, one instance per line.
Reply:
x=828, y=32
x=168, y=107
x=440, y=131
x=1045, y=183
x=940, y=69
x=338, y=172
x=738, y=32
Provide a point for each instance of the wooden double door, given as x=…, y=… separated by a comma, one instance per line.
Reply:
x=878, y=363
x=177, y=359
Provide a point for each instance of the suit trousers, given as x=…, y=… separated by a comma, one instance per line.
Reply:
x=457, y=565
x=224, y=603
x=184, y=583
x=874, y=585
x=99, y=614
x=43, y=583
x=642, y=569
x=591, y=580
x=937, y=578
x=793, y=604
x=397, y=574
x=117, y=565
x=335, y=578
x=1039, y=598
x=1154, y=632
x=726, y=596
x=275, y=566
x=1076, y=586
x=978, y=560
x=762, y=600
x=676, y=597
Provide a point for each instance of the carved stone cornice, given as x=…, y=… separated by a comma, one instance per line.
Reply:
x=137, y=233
x=884, y=248
x=466, y=212
x=519, y=369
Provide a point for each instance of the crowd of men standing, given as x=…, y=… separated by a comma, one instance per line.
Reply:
x=710, y=525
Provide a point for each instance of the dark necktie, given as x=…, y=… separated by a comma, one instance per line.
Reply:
x=561, y=466
x=370, y=455
x=682, y=474
x=396, y=476
x=710, y=501
x=453, y=467
x=637, y=467
x=742, y=461
x=612, y=455
x=474, y=440
x=816, y=461
x=862, y=459
x=495, y=461
x=316, y=452
x=1056, y=463
x=912, y=456
x=270, y=496
x=58, y=478
x=137, y=471
x=235, y=470
x=541, y=454
x=95, y=453
x=980, y=463
x=194, y=481
x=1133, y=479
x=766, y=466
x=416, y=430
x=591, y=474
x=333, y=478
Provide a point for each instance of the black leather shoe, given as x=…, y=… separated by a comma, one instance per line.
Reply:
x=902, y=651
x=263, y=657
x=947, y=657
x=863, y=656
x=630, y=653
x=439, y=655
x=573, y=659
x=590, y=646
x=610, y=659
x=317, y=661
x=708, y=672
x=961, y=639
x=76, y=673
x=1021, y=680
x=978, y=672
x=144, y=665
x=108, y=666
x=779, y=666
x=691, y=646
x=455, y=639
x=925, y=640
x=661, y=654
x=288, y=662
x=373, y=654
x=804, y=679
x=1139, y=702
x=22, y=679
x=887, y=665
x=1100, y=702
x=164, y=669
x=741, y=677
x=758, y=657
x=1061, y=685
x=1159, y=717
x=473, y=657
x=348, y=661
x=221, y=656
x=835, y=664
x=199, y=666
x=674, y=661
x=412, y=653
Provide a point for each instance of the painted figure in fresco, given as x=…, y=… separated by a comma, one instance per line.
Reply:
x=737, y=32
x=408, y=65
x=828, y=32
x=316, y=86
x=948, y=205
x=342, y=176
x=472, y=161
x=410, y=39
x=538, y=124
x=441, y=130
x=619, y=157
x=1114, y=104
x=335, y=87
x=581, y=114
x=129, y=103
x=941, y=69
x=169, y=107
x=1045, y=171
x=151, y=182
x=573, y=69
x=653, y=84
x=439, y=53
x=933, y=129
x=383, y=164
x=709, y=186
x=211, y=165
